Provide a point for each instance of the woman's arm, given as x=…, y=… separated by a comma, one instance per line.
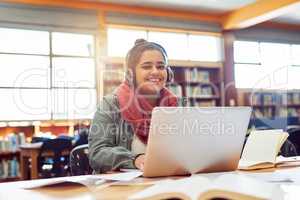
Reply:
x=104, y=152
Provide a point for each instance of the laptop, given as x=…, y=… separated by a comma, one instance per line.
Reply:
x=189, y=140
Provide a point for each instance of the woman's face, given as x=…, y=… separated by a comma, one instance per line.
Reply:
x=151, y=73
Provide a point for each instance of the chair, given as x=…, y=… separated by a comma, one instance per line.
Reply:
x=54, y=158
x=82, y=137
x=39, y=139
x=292, y=147
x=79, y=162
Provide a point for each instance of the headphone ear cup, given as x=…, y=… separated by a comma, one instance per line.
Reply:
x=170, y=75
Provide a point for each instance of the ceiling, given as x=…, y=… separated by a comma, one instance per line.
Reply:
x=210, y=6
x=207, y=6
x=290, y=18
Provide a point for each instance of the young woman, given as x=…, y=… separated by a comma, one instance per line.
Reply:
x=120, y=127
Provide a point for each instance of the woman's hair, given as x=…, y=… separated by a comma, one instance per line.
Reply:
x=134, y=55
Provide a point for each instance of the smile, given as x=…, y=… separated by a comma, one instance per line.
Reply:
x=154, y=80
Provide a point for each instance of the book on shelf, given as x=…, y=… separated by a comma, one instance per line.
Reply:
x=257, y=113
x=296, y=98
x=289, y=112
x=268, y=112
x=226, y=186
x=292, y=112
x=113, y=72
x=9, y=168
x=208, y=103
x=195, y=75
x=283, y=99
x=261, y=149
x=255, y=99
x=199, y=91
x=290, y=98
x=176, y=89
x=283, y=112
x=12, y=142
x=269, y=99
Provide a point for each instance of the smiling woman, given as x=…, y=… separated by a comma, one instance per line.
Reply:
x=119, y=132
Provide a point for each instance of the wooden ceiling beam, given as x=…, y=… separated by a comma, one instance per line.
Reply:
x=157, y=12
x=257, y=12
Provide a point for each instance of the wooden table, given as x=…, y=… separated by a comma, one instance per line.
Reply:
x=29, y=151
x=13, y=191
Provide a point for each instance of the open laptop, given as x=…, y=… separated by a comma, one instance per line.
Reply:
x=188, y=140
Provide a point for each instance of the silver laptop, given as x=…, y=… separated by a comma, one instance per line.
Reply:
x=188, y=140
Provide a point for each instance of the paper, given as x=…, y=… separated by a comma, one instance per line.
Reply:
x=86, y=180
x=125, y=176
x=272, y=177
x=281, y=159
x=293, y=174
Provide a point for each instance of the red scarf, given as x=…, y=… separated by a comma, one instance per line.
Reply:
x=136, y=110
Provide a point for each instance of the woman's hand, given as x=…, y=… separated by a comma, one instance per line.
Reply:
x=139, y=162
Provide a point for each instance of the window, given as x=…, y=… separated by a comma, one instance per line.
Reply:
x=72, y=44
x=117, y=44
x=266, y=65
x=73, y=103
x=24, y=41
x=25, y=104
x=33, y=75
x=73, y=72
x=246, y=52
x=174, y=43
x=24, y=71
x=204, y=48
x=296, y=55
x=179, y=46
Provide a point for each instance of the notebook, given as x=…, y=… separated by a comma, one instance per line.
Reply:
x=261, y=149
x=189, y=140
x=227, y=186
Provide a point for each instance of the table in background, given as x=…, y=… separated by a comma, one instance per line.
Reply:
x=29, y=152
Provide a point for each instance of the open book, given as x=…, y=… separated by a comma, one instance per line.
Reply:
x=227, y=186
x=261, y=149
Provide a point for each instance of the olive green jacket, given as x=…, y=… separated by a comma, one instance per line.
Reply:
x=110, y=138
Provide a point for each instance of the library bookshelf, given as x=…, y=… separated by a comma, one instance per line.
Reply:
x=201, y=83
x=270, y=104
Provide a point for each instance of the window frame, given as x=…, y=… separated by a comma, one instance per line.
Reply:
x=51, y=55
x=172, y=30
x=261, y=63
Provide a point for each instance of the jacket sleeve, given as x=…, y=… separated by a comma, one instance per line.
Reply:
x=104, y=153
